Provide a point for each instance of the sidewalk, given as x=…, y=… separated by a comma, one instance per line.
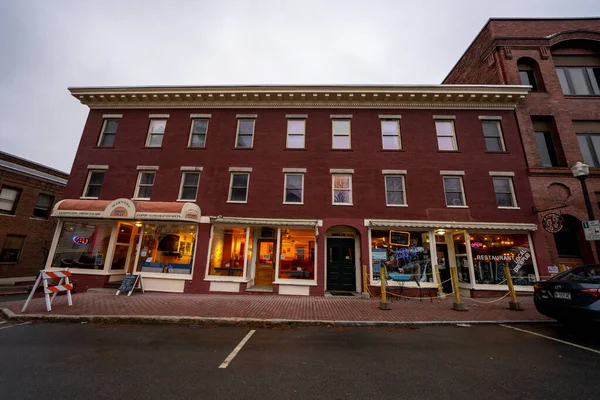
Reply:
x=217, y=308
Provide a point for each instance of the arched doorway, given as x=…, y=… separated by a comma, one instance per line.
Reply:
x=570, y=241
x=342, y=259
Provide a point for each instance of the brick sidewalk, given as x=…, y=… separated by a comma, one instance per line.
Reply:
x=266, y=307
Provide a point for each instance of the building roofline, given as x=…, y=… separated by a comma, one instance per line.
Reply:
x=34, y=163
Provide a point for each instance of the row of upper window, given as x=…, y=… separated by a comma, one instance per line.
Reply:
x=574, y=81
x=293, y=193
x=9, y=199
x=296, y=132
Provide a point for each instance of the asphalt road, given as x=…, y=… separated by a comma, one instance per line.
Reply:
x=94, y=361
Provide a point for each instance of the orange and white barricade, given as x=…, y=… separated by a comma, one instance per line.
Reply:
x=63, y=286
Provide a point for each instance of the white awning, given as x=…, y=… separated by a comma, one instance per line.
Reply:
x=265, y=221
x=387, y=223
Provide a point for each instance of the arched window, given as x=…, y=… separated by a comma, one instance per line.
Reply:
x=567, y=239
x=529, y=73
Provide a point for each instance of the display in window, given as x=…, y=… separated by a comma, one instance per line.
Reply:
x=82, y=245
x=411, y=257
x=297, y=258
x=161, y=248
x=229, y=251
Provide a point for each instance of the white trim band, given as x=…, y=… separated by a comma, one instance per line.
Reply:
x=501, y=173
x=147, y=167
x=158, y=116
x=490, y=118
x=266, y=221
x=200, y=115
x=251, y=116
x=444, y=173
x=450, y=224
x=444, y=117
x=341, y=171
x=106, y=116
x=240, y=169
x=192, y=168
x=340, y=116
x=296, y=116
x=393, y=171
x=381, y=116
x=296, y=170
x=97, y=167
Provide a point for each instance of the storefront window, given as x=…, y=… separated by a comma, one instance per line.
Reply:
x=462, y=260
x=82, y=245
x=167, y=248
x=493, y=251
x=297, y=256
x=229, y=251
x=406, y=252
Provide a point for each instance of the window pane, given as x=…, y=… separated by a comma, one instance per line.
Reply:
x=544, y=140
x=341, y=196
x=524, y=78
x=158, y=126
x=200, y=126
x=446, y=143
x=490, y=129
x=585, y=150
x=389, y=127
x=244, y=141
x=296, y=127
x=391, y=143
x=145, y=192
x=579, y=82
x=155, y=140
x=297, y=254
x=596, y=145
x=43, y=201
x=395, y=197
x=562, y=77
x=111, y=126
x=452, y=184
x=246, y=126
x=293, y=196
x=341, y=127
x=454, y=199
x=240, y=180
x=197, y=140
x=147, y=178
x=493, y=144
x=167, y=248
x=341, y=181
x=295, y=141
x=504, y=200
x=96, y=178
x=594, y=75
x=190, y=179
x=93, y=191
x=294, y=181
x=228, y=250
x=501, y=185
x=341, y=142
x=394, y=183
x=444, y=128
x=90, y=255
x=238, y=194
x=7, y=199
x=188, y=193
x=11, y=248
x=107, y=140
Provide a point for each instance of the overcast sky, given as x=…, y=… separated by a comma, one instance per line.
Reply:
x=46, y=46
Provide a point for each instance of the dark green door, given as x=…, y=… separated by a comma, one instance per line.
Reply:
x=341, y=269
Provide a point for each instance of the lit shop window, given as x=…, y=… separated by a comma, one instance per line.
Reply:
x=167, y=248
x=462, y=258
x=492, y=252
x=82, y=245
x=229, y=250
x=406, y=253
x=297, y=257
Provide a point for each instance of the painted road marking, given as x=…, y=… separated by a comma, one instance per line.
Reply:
x=12, y=326
x=2, y=322
x=231, y=356
x=551, y=338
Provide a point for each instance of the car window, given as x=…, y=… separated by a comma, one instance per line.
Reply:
x=586, y=273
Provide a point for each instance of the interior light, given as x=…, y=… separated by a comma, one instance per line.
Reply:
x=138, y=223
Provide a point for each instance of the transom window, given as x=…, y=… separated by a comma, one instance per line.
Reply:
x=189, y=185
x=342, y=189
x=390, y=132
x=341, y=133
x=492, y=133
x=43, y=206
x=9, y=198
x=453, y=188
x=446, y=136
x=590, y=148
x=238, y=188
x=295, y=133
x=94, y=184
x=156, y=132
x=145, y=184
x=109, y=130
x=294, y=188
x=394, y=190
x=245, y=133
x=11, y=249
x=198, y=133
x=505, y=196
x=579, y=81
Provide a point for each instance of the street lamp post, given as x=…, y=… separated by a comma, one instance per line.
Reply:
x=581, y=171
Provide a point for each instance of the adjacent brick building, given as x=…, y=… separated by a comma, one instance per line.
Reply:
x=560, y=119
x=28, y=191
x=292, y=189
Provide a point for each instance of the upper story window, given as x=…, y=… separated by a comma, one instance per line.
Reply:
x=341, y=188
x=198, y=133
x=189, y=185
x=528, y=73
x=394, y=190
x=11, y=249
x=446, y=136
x=238, y=187
x=43, y=206
x=504, y=189
x=9, y=198
x=579, y=81
x=588, y=136
x=492, y=132
x=145, y=184
x=94, y=183
x=245, y=133
x=390, y=132
x=548, y=144
x=454, y=190
x=296, y=128
x=109, y=130
x=341, y=132
x=294, y=188
x=156, y=132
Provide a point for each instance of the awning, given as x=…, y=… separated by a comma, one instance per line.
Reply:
x=265, y=221
x=386, y=223
x=127, y=209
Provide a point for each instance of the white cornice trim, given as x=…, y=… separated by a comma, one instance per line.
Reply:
x=451, y=224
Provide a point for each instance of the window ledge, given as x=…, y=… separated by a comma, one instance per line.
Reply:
x=392, y=150
x=449, y=151
x=342, y=150
x=152, y=147
x=508, y=208
x=195, y=148
x=578, y=96
x=294, y=204
x=497, y=152
x=158, y=275
x=140, y=199
x=295, y=282
x=85, y=271
x=294, y=149
x=39, y=218
x=396, y=205
x=235, y=279
x=88, y=198
x=7, y=215
x=243, y=148
x=457, y=206
x=237, y=202
x=9, y=263
x=187, y=200
x=104, y=147
x=342, y=204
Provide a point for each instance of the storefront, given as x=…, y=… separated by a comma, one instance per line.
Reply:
x=263, y=255
x=480, y=251
x=112, y=238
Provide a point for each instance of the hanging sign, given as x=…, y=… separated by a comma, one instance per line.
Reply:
x=553, y=222
x=81, y=240
x=400, y=238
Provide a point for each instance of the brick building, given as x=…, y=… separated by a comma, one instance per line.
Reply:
x=291, y=189
x=560, y=119
x=28, y=191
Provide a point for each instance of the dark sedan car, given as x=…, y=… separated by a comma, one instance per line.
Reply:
x=573, y=295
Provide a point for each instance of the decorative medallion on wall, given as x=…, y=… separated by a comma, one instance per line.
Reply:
x=553, y=222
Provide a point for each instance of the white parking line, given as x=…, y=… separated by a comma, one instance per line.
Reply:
x=232, y=355
x=551, y=338
x=3, y=322
x=12, y=326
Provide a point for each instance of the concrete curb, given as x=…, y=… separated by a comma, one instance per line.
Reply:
x=228, y=321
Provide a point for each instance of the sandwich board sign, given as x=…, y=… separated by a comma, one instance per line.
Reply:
x=591, y=230
x=129, y=284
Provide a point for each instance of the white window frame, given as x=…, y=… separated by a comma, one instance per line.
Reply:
x=287, y=137
x=395, y=175
x=237, y=133
x=192, y=133
x=462, y=188
x=349, y=135
x=333, y=175
x=137, y=185
x=105, y=120
x=152, y=119
x=509, y=176
x=498, y=123
x=87, y=182
x=390, y=118
x=183, y=180
x=231, y=174
x=285, y=175
x=437, y=135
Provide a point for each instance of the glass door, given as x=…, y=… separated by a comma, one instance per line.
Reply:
x=265, y=263
x=462, y=258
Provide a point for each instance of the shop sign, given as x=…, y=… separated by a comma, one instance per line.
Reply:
x=81, y=240
x=379, y=254
x=119, y=208
x=553, y=222
x=591, y=230
x=520, y=260
x=476, y=245
x=553, y=269
x=400, y=238
x=98, y=259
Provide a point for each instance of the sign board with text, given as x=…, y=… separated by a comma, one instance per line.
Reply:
x=591, y=230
